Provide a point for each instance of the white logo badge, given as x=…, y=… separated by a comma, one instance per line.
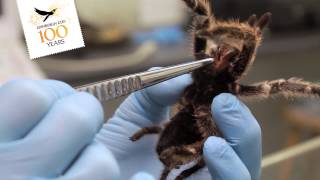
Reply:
x=50, y=26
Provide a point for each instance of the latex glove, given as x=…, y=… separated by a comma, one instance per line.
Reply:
x=238, y=155
x=143, y=108
x=47, y=131
x=151, y=106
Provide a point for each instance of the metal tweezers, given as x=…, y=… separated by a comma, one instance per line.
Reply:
x=121, y=86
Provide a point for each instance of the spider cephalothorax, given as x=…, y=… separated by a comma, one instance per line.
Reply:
x=233, y=45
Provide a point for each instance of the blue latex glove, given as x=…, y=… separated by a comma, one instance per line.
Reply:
x=47, y=131
x=236, y=158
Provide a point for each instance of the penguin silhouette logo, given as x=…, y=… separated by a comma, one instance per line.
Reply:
x=45, y=13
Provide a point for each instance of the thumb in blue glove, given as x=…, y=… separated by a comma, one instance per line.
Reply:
x=238, y=155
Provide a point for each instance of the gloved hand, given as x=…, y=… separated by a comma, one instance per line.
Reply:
x=47, y=131
x=236, y=158
x=238, y=155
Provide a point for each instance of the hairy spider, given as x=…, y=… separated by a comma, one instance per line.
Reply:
x=233, y=45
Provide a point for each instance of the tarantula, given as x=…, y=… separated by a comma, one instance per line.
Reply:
x=233, y=45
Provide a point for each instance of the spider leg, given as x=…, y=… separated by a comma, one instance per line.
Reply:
x=188, y=172
x=165, y=173
x=181, y=150
x=264, y=20
x=289, y=88
x=252, y=20
x=201, y=7
x=175, y=156
x=144, y=131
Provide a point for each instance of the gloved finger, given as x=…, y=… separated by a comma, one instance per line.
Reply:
x=141, y=109
x=70, y=125
x=168, y=92
x=142, y=176
x=95, y=162
x=150, y=105
x=240, y=129
x=24, y=103
x=154, y=100
x=222, y=162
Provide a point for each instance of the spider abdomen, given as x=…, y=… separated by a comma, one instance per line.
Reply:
x=182, y=138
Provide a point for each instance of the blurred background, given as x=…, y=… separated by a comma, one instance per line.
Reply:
x=128, y=36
